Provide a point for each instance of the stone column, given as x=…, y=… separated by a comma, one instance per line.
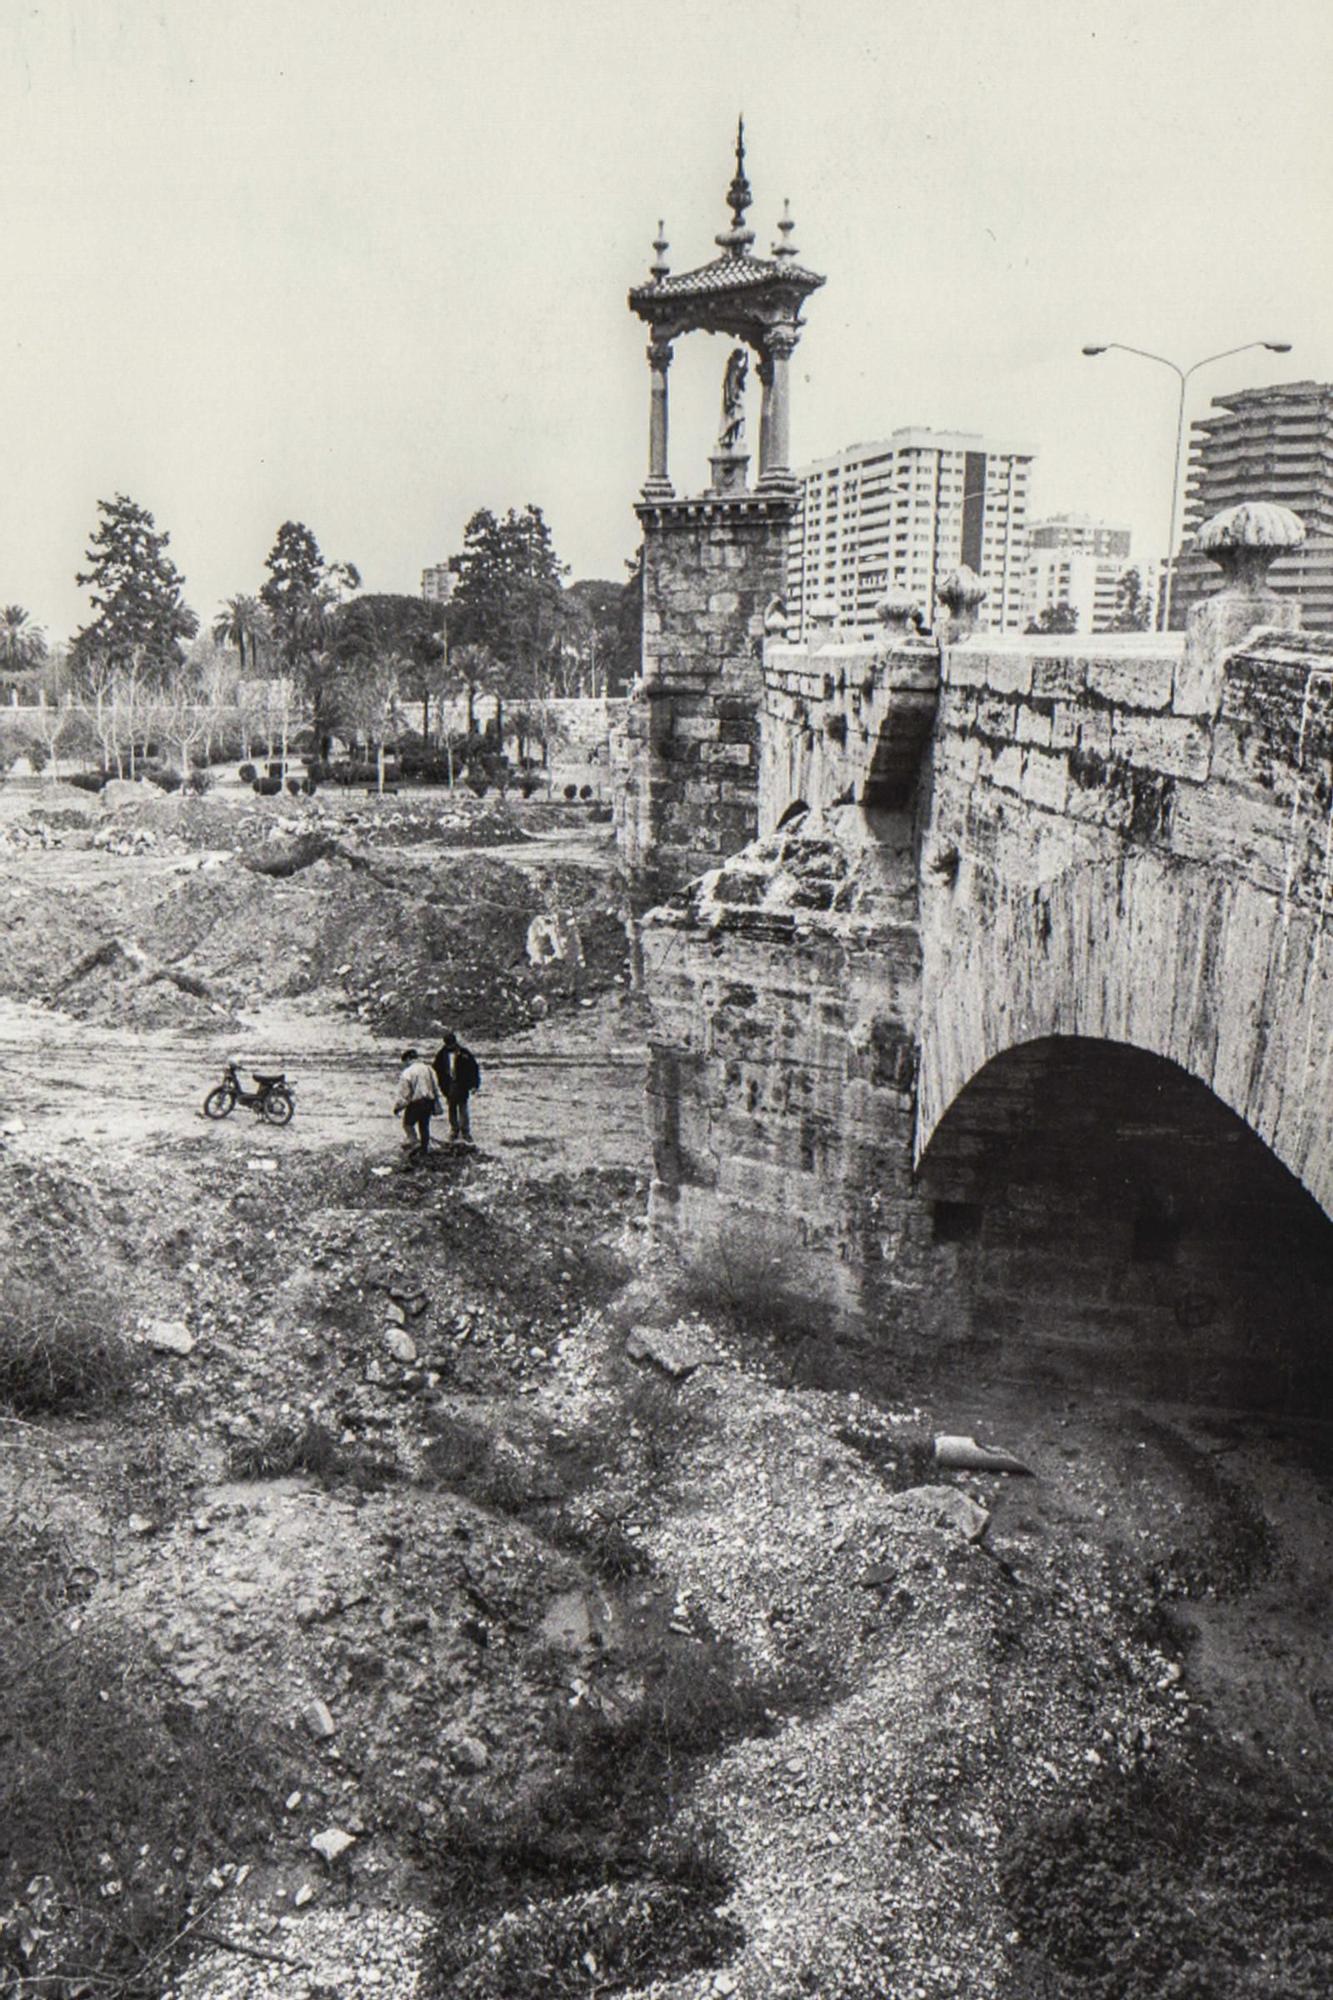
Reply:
x=780, y=342
x=764, y=370
x=658, y=484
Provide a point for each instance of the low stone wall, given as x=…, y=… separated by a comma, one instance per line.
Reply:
x=844, y=722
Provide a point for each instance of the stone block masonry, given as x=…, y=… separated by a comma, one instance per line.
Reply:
x=973, y=851
x=689, y=790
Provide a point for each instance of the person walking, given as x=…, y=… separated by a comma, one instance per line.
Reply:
x=459, y=1075
x=417, y=1100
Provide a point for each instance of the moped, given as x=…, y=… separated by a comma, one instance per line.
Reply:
x=272, y=1098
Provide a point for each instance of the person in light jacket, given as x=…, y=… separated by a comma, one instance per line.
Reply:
x=417, y=1100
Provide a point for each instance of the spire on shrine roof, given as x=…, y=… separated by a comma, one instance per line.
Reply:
x=738, y=238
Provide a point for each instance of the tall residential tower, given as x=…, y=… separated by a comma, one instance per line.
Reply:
x=1266, y=444
x=898, y=515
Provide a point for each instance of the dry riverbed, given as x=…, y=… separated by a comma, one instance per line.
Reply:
x=454, y=1601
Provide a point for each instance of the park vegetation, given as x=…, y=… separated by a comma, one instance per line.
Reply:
x=310, y=664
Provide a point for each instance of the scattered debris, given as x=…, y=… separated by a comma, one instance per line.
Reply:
x=964, y=1454
x=168, y=1336
x=939, y=1507
x=332, y=1843
x=675, y=1350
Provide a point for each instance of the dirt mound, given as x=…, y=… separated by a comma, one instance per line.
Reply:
x=399, y=943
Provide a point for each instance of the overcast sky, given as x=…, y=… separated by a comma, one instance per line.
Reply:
x=363, y=263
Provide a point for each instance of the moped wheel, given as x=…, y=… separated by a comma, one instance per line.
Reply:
x=219, y=1103
x=278, y=1108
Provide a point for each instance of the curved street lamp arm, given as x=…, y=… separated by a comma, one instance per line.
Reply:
x=1244, y=348
x=1174, y=366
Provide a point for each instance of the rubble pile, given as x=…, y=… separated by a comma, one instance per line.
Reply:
x=21, y=836
x=395, y=941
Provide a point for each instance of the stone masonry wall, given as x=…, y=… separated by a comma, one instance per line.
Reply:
x=1134, y=846
x=845, y=722
x=689, y=793
x=1126, y=846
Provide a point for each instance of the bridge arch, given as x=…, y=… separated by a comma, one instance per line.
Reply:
x=1105, y=1222
x=1228, y=980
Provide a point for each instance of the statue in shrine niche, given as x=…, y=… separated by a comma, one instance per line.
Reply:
x=733, y=400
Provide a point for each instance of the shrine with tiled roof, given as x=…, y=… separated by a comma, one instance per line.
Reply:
x=757, y=300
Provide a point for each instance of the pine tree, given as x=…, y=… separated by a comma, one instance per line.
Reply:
x=136, y=588
x=301, y=595
x=510, y=598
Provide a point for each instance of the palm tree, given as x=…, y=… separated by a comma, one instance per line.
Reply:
x=22, y=644
x=243, y=623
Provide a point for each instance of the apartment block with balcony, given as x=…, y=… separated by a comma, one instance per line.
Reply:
x=1075, y=562
x=899, y=514
x=1274, y=443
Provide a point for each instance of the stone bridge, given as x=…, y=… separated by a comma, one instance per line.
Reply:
x=1009, y=1034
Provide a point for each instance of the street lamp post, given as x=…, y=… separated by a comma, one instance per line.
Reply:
x=1182, y=375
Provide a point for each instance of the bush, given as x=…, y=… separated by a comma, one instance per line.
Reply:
x=571, y=792
x=466, y=1458
x=573, y=1887
x=749, y=1279
x=310, y=1448
x=247, y=774
x=294, y=787
x=201, y=780
x=87, y=781
x=116, y=1796
x=585, y=791
x=267, y=788
x=61, y=1350
x=1162, y=1887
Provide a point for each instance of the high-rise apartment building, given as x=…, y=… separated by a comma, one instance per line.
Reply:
x=437, y=583
x=898, y=515
x=1076, y=563
x=1266, y=444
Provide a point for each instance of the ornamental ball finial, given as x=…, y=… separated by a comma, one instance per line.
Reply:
x=961, y=589
x=659, y=267
x=784, y=247
x=1245, y=539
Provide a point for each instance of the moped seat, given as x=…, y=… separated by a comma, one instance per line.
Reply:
x=281, y=1077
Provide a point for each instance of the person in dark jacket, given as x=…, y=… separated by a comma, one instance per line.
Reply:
x=459, y=1074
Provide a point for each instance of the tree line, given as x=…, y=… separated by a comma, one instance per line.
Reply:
x=310, y=646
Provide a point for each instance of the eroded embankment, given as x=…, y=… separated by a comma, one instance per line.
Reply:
x=609, y=1678
x=396, y=936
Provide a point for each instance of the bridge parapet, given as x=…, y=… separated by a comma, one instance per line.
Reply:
x=845, y=722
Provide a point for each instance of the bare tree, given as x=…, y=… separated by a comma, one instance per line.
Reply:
x=184, y=718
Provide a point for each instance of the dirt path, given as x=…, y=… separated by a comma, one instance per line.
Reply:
x=567, y=1098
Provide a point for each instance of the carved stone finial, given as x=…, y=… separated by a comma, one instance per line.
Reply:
x=775, y=619
x=1245, y=540
x=784, y=247
x=660, y=268
x=821, y=618
x=900, y=615
x=738, y=238
x=962, y=593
